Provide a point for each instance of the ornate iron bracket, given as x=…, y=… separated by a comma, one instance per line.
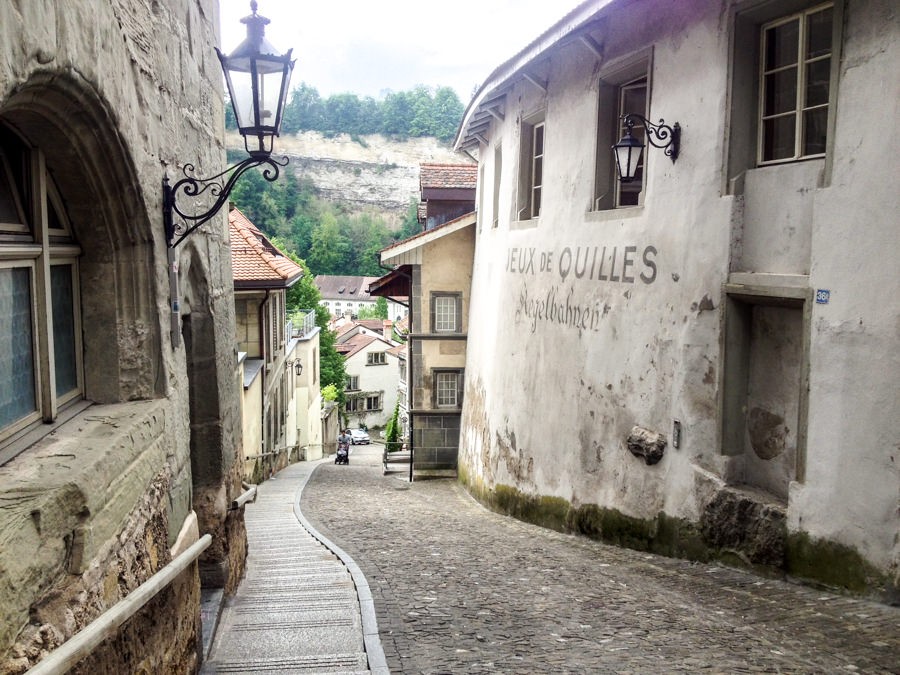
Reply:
x=219, y=186
x=663, y=136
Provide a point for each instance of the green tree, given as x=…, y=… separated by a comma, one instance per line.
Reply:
x=379, y=311
x=446, y=114
x=392, y=430
x=328, y=246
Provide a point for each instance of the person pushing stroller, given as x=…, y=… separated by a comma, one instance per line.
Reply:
x=343, y=448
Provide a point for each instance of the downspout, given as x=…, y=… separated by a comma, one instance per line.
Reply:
x=263, y=332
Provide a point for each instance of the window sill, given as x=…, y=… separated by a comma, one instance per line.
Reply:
x=621, y=213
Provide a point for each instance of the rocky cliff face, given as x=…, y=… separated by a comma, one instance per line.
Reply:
x=372, y=172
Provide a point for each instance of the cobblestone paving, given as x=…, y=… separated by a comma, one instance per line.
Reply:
x=459, y=589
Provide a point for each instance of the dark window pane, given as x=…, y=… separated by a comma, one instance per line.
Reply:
x=818, y=27
x=818, y=75
x=815, y=123
x=17, y=388
x=8, y=211
x=778, y=137
x=539, y=140
x=538, y=171
x=536, y=206
x=63, y=329
x=781, y=92
x=782, y=44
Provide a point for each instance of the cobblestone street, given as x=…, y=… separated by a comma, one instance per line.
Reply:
x=461, y=589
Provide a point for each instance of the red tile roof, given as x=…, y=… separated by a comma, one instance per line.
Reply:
x=448, y=175
x=255, y=259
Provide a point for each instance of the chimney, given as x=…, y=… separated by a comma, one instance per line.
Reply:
x=387, y=326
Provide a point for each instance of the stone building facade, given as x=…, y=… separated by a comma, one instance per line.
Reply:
x=702, y=362
x=120, y=419
x=434, y=268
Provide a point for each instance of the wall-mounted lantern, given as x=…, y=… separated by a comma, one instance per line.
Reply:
x=628, y=150
x=257, y=77
x=298, y=367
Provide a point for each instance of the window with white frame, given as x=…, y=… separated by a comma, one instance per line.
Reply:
x=446, y=312
x=352, y=382
x=795, y=85
x=373, y=402
x=532, y=136
x=40, y=333
x=623, y=89
x=376, y=359
x=447, y=388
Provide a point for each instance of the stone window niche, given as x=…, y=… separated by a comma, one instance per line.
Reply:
x=765, y=385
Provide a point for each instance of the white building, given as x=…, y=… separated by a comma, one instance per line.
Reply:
x=372, y=367
x=346, y=295
x=703, y=362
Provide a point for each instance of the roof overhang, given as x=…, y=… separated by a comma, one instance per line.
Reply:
x=489, y=101
x=395, y=283
x=396, y=253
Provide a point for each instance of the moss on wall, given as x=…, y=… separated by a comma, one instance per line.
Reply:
x=836, y=566
x=822, y=562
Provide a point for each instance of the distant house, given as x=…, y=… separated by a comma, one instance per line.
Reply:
x=279, y=361
x=372, y=376
x=446, y=192
x=435, y=269
x=346, y=295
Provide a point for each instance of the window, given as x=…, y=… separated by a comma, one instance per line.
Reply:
x=446, y=312
x=40, y=334
x=353, y=404
x=447, y=388
x=531, y=169
x=623, y=89
x=352, y=382
x=373, y=402
x=401, y=363
x=376, y=359
x=795, y=86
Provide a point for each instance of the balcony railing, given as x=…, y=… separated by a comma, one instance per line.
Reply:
x=302, y=323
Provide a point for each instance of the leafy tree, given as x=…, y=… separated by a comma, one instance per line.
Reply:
x=446, y=114
x=328, y=246
x=392, y=430
x=379, y=311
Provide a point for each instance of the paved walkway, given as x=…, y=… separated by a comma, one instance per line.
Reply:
x=459, y=589
x=300, y=608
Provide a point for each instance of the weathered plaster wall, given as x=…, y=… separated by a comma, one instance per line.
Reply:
x=604, y=321
x=116, y=93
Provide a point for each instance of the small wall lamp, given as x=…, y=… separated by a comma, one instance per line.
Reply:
x=628, y=150
x=298, y=367
x=257, y=77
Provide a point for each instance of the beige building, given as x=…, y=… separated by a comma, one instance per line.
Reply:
x=278, y=357
x=434, y=269
x=120, y=426
x=702, y=361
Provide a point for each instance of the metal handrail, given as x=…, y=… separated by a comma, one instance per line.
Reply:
x=249, y=495
x=84, y=641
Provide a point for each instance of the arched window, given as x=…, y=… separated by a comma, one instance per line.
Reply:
x=40, y=336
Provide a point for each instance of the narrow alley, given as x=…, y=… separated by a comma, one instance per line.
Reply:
x=460, y=589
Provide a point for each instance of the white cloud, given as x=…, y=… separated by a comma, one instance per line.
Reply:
x=369, y=46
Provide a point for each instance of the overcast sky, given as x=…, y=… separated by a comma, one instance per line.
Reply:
x=370, y=46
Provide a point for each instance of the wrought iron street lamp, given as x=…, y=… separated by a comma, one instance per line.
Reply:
x=628, y=150
x=257, y=77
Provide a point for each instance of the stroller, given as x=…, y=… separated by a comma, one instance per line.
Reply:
x=343, y=450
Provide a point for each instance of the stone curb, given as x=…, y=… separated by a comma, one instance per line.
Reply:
x=374, y=649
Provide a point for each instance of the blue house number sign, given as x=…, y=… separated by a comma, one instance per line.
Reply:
x=822, y=296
